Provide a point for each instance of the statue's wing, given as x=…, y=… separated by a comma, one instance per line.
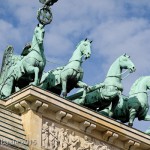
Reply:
x=6, y=62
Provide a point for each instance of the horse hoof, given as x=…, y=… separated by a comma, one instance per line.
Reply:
x=130, y=124
x=64, y=94
x=33, y=83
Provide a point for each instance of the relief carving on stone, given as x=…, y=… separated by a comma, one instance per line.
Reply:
x=58, y=137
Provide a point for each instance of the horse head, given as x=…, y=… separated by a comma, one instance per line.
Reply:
x=85, y=48
x=126, y=63
x=39, y=33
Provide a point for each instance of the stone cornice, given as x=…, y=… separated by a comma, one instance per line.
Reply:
x=38, y=100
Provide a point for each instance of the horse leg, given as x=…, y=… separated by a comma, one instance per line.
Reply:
x=35, y=70
x=17, y=89
x=82, y=84
x=111, y=109
x=81, y=101
x=64, y=87
x=105, y=112
x=120, y=102
x=132, y=115
x=147, y=118
x=6, y=89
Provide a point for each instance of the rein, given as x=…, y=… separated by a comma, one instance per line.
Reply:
x=75, y=60
x=34, y=47
x=139, y=92
x=118, y=88
x=36, y=51
x=73, y=69
x=119, y=75
x=66, y=64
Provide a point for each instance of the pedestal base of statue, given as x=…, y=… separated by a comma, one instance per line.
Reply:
x=53, y=123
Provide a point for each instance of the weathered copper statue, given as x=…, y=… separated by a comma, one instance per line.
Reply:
x=64, y=79
x=27, y=68
x=102, y=95
x=20, y=71
x=137, y=103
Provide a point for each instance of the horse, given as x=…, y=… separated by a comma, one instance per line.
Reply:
x=136, y=105
x=20, y=71
x=100, y=96
x=64, y=79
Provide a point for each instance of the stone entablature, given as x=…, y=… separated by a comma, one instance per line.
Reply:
x=43, y=112
x=59, y=137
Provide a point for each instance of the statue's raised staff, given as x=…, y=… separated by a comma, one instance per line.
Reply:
x=102, y=95
x=137, y=103
x=20, y=71
x=64, y=79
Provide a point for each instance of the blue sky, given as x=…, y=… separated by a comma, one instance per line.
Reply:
x=115, y=26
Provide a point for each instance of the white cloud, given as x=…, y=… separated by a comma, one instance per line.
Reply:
x=8, y=35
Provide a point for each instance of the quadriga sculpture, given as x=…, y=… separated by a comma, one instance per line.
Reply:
x=101, y=95
x=64, y=79
x=19, y=71
x=137, y=103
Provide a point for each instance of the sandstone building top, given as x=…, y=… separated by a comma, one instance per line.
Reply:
x=42, y=112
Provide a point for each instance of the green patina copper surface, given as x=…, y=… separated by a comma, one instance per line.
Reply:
x=64, y=79
x=137, y=103
x=25, y=69
x=102, y=95
x=148, y=131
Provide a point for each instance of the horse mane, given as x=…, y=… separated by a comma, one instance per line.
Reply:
x=79, y=43
x=132, y=90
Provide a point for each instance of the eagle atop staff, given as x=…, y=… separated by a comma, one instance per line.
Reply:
x=48, y=2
